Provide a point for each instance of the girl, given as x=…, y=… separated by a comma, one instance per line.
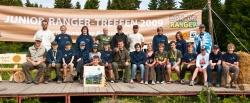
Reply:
x=149, y=67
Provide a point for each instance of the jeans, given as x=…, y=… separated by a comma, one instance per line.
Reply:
x=134, y=68
x=185, y=68
x=218, y=69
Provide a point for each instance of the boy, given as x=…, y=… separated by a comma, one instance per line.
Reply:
x=106, y=57
x=161, y=59
x=54, y=60
x=68, y=66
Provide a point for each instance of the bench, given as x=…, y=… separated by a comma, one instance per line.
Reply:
x=15, y=61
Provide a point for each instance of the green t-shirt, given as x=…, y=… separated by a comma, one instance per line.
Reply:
x=102, y=39
x=160, y=56
x=174, y=55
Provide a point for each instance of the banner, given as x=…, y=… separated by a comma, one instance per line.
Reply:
x=21, y=23
x=12, y=58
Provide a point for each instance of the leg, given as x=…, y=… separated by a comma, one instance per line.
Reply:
x=47, y=73
x=133, y=71
x=71, y=69
x=146, y=74
x=158, y=73
x=126, y=74
x=219, y=71
x=205, y=75
x=142, y=71
x=110, y=71
x=169, y=72
x=152, y=74
x=163, y=73
x=26, y=70
x=195, y=74
x=235, y=71
x=209, y=74
x=225, y=74
x=115, y=70
x=183, y=71
x=177, y=70
x=41, y=68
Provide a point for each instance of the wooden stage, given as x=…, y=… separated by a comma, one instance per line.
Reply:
x=66, y=90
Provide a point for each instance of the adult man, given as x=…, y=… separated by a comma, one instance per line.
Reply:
x=103, y=38
x=119, y=36
x=134, y=38
x=62, y=38
x=35, y=59
x=160, y=38
x=121, y=60
x=202, y=40
x=45, y=34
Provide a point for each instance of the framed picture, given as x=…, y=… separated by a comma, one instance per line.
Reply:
x=94, y=76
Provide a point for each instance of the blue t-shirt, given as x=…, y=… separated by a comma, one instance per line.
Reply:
x=230, y=58
x=188, y=57
x=215, y=57
x=67, y=55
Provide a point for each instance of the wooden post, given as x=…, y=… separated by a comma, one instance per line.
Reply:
x=19, y=99
x=67, y=99
x=210, y=20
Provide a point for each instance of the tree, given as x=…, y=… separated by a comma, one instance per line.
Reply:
x=63, y=4
x=78, y=5
x=125, y=4
x=11, y=2
x=153, y=5
x=91, y=4
x=29, y=4
x=109, y=4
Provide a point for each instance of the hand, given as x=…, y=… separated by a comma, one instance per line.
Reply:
x=116, y=49
x=64, y=64
x=106, y=64
x=53, y=64
x=71, y=64
x=126, y=63
x=78, y=59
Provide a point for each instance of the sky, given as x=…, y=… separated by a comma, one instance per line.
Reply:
x=103, y=3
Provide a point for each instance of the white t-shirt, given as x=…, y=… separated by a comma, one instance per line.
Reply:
x=202, y=60
x=133, y=39
x=47, y=37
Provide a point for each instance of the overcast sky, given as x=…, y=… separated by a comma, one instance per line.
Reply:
x=103, y=3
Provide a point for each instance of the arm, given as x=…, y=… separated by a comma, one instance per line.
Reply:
x=198, y=61
x=48, y=58
x=207, y=62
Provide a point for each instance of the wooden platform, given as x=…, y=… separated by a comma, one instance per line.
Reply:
x=112, y=89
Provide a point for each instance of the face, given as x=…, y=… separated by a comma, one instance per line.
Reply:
x=230, y=49
x=95, y=61
x=105, y=31
x=106, y=47
x=82, y=46
x=38, y=43
x=190, y=49
x=161, y=48
x=216, y=50
x=120, y=45
x=178, y=36
x=135, y=30
x=202, y=29
x=173, y=46
x=68, y=46
x=150, y=47
x=94, y=49
x=84, y=30
x=119, y=28
x=55, y=47
x=63, y=29
x=160, y=31
x=45, y=25
x=138, y=48
x=203, y=52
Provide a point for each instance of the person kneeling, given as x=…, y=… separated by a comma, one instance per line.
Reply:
x=202, y=61
x=138, y=59
x=68, y=66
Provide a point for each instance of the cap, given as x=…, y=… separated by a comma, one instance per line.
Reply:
x=203, y=48
x=202, y=26
x=82, y=43
x=38, y=39
x=68, y=43
x=95, y=46
x=216, y=46
x=54, y=43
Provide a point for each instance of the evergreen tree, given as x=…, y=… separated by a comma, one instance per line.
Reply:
x=109, y=5
x=63, y=4
x=166, y=4
x=153, y=5
x=29, y=4
x=11, y=2
x=125, y=4
x=91, y=4
x=78, y=5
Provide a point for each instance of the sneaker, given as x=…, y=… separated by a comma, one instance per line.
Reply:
x=46, y=82
x=153, y=82
x=146, y=83
x=111, y=81
x=157, y=82
x=217, y=85
x=227, y=86
x=191, y=83
x=59, y=81
x=125, y=81
x=233, y=85
x=116, y=81
x=182, y=81
x=28, y=82
x=36, y=82
x=162, y=82
x=141, y=82
x=206, y=84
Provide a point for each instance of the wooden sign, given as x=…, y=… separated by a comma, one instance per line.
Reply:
x=12, y=58
x=94, y=76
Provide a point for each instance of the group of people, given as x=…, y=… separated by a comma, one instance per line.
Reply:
x=121, y=51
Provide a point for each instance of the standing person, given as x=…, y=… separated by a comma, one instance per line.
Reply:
x=54, y=60
x=67, y=60
x=202, y=40
x=230, y=63
x=160, y=66
x=174, y=56
x=202, y=61
x=94, y=52
x=138, y=59
x=62, y=38
x=188, y=62
x=150, y=65
x=35, y=59
x=82, y=58
x=181, y=44
x=160, y=38
x=45, y=34
x=86, y=38
x=134, y=38
x=119, y=36
x=214, y=65
x=106, y=57
x=121, y=60
x=103, y=38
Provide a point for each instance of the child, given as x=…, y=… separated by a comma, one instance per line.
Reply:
x=188, y=62
x=230, y=63
x=106, y=57
x=150, y=62
x=138, y=59
x=202, y=61
x=95, y=61
x=68, y=58
x=82, y=59
x=94, y=52
x=54, y=60
x=174, y=56
x=161, y=59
